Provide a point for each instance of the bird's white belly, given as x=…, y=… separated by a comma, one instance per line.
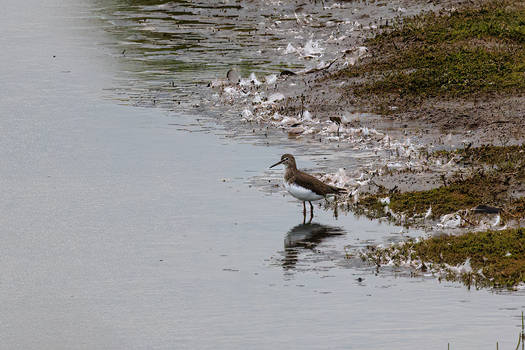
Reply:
x=301, y=193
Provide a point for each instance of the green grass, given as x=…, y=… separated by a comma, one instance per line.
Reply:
x=459, y=54
x=491, y=173
x=497, y=258
x=443, y=200
x=501, y=157
x=462, y=194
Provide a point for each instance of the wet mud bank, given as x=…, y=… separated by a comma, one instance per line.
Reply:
x=459, y=70
x=372, y=97
x=437, y=97
x=297, y=87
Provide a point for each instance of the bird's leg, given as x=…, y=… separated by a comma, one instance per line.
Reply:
x=304, y=208
x=311, y=211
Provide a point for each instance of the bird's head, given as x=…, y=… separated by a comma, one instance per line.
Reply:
x=287, y=159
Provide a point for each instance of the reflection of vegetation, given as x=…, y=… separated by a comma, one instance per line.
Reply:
x=126, y=4
x=466, y=52
x=496, y=174
x=166, y=53
x=181, y=37
x=494, y=258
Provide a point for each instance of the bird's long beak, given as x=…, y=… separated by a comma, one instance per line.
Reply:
x=276, y=164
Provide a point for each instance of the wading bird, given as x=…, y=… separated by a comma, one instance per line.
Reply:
x=304, y=187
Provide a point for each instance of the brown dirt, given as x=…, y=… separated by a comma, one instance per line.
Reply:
x=495, y=118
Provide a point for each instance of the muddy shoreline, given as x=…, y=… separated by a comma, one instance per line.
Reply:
x=346, y=105
x=319, y=104
x=302, y=97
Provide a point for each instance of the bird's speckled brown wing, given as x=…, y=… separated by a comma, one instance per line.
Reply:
x=314, y=184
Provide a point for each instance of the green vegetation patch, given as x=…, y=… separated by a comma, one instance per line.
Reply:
x=461, y=194
x=496, y=258
x=502, y=158
x=443, y=200
x=489, y=175
x=460, y=53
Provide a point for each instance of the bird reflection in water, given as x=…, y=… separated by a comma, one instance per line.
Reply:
x=305, y=237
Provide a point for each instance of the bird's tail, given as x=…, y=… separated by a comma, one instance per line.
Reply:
x=338, y=190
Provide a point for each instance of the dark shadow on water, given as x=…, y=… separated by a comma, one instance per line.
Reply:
x=305, y=237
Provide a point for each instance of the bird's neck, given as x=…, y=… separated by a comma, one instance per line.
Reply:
x=290, y=172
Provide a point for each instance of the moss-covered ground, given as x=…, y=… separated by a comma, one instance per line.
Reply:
x=497, y=258
x=473, y=51
x=487, y=175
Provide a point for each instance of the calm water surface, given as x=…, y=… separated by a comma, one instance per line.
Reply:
x=126, y=227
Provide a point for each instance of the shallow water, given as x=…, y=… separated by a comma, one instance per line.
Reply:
x=193, y=42
x=135, y=228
